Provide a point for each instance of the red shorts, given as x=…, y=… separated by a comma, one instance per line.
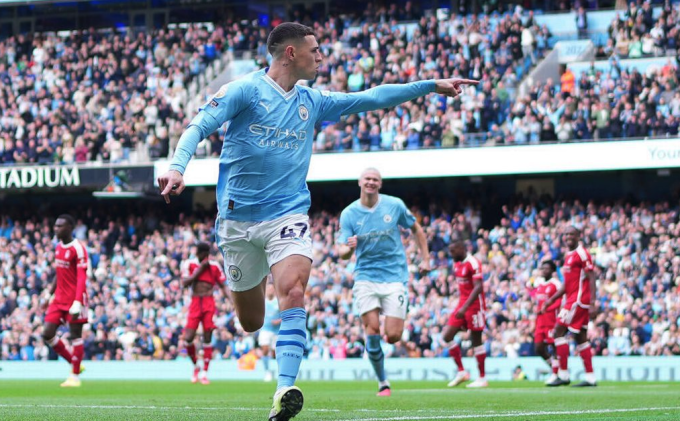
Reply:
x=473, y=320
x=574, y=317
x=201, y=310
x=544, y=334
x=58, y=314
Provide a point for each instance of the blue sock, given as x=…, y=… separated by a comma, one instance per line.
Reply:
x=376, y=356
x=265, y=362
x=290, y=345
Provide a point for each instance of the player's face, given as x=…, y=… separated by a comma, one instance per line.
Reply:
x=571, y=237
x=370, y=182
x=546, y=271
x=308, y=58
x=202, y=255
x=62, y=229
x=458, y=252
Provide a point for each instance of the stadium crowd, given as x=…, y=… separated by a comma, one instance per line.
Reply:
x=137, y=307
x=118, y=97
x=97, y=95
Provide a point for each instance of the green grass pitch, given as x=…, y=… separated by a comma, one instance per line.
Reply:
x=334, y=401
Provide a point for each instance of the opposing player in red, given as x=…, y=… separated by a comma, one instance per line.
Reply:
x=579, y=287
x=547, y=318
x=469, y=314
x=68, y=298
x=202, y=275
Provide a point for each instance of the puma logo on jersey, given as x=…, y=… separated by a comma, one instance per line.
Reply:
x=265, y=106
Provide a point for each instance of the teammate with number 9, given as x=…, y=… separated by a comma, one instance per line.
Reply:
x=372, y=226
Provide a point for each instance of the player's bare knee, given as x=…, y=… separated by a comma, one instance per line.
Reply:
x=393, y=338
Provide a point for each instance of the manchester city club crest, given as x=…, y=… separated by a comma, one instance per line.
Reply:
x=304, y=113
x=235, y=273
x=387, y=219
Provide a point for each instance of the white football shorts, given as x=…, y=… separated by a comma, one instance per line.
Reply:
x=390, y=297
x=250, y=249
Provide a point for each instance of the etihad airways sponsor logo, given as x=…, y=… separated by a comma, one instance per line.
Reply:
x=277, y=132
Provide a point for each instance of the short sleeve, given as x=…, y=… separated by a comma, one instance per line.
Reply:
x=406, y=218
x=346, y=228
x=476, y=270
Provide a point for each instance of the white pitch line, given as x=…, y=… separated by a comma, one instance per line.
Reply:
x=154, y=408
x=515, y=414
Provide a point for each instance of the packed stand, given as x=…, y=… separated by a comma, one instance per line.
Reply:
x=138, y=308
x=376, y=49
x=635, y=33
x=102, y=96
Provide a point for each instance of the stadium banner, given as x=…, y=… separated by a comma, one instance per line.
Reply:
x=460, y=162
x=71, y=176
x=435, y=369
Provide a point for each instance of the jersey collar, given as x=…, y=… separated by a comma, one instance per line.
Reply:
x=366, y=208
x=69, y=244
x=286, y=95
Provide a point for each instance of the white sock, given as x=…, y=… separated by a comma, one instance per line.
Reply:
x=384, y=383
x=563, y=374
x=590, y=378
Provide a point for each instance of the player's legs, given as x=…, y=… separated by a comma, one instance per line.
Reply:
x=586, y=353
x=290, y=280
x=480, y=356
x=450, y=332
x=394, y=329
x=246, y=267
x=394, y=305
x=49, y=335
x=371, y=322
x=288, y=252
x=562, y=352
x=542, y=348
x=189, y=336
x=249, y=306
x=207, y=351
x=266, y=357
x=448, y=335
x=76, y=330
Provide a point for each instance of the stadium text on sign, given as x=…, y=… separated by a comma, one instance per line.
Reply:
x=28, y=177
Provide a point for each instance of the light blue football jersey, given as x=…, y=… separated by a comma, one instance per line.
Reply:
x=268, y=144
x=380, y=253
x=271, y=313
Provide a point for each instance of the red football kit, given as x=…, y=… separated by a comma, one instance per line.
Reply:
x=545, y=323
x=202, y=309
x=467, y=273
x=574, y=314
x=71, y=267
